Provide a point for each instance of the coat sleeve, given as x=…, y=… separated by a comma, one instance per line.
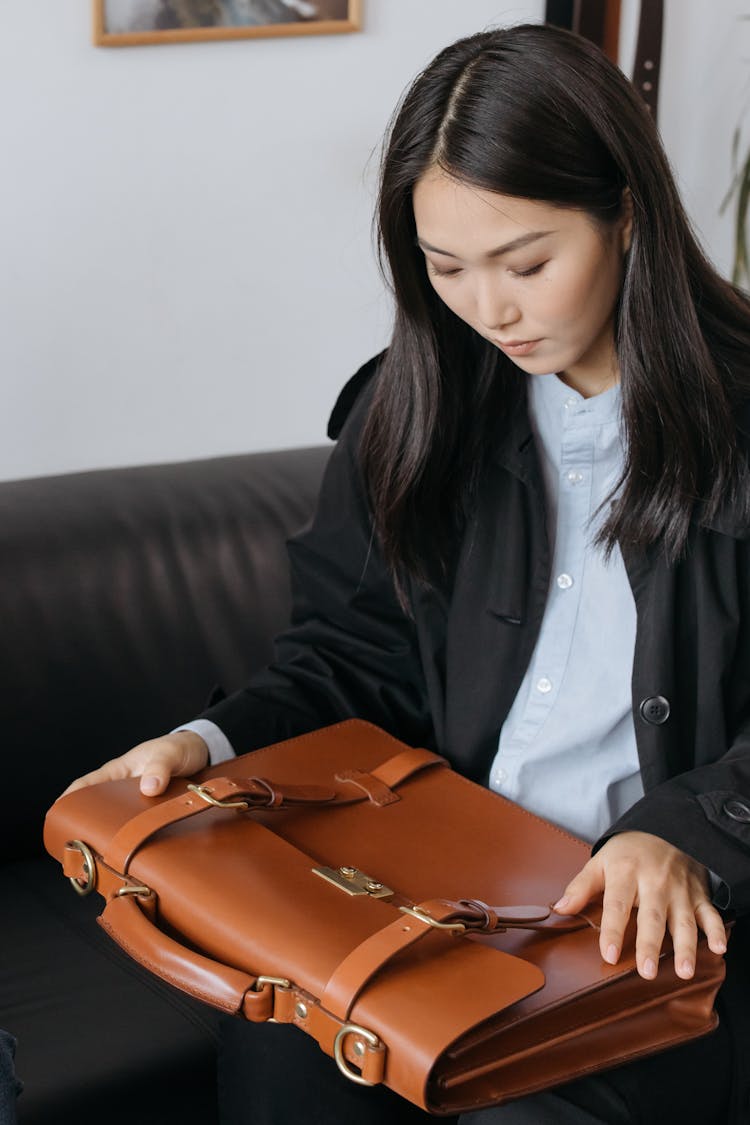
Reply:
x=706, y=813
x=351, y=650
x=704, y=808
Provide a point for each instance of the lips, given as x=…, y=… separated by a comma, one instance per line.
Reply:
x=517, y=347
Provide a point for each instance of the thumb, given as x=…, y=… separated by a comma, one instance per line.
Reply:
x=587, y=884
x=157, y=773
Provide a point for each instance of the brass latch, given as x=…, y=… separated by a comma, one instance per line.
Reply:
x=353, y=881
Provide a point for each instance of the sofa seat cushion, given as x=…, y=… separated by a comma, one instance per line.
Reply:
x=98, y=1038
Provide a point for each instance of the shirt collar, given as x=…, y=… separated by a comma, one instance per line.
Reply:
x=548, y=392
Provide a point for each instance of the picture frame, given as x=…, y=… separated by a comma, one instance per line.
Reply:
x=134, y=23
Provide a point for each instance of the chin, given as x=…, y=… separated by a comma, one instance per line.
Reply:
x=533, y=365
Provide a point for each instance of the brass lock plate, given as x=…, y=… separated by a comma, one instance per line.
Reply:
x=353, y=881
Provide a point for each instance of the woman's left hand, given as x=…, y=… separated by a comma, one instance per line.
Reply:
x=669, y=889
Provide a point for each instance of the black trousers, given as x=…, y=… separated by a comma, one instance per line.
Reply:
x=275, y=1075
x=10, y=1087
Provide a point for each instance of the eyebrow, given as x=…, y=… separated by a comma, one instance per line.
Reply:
x=515, y=244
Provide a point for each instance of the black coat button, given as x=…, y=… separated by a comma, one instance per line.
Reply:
x=737, y=810
x=655, y=710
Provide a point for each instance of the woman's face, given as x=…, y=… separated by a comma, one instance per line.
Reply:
x=540, y=282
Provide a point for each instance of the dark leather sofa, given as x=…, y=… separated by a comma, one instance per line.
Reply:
x=126, y=597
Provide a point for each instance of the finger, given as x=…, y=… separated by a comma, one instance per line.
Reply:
x=587, y=884
x=174, y=755
x=617, y=905
x=712, y=924
x=684, y=930
x=110, y=771
x=158, y=768
x=651, y=924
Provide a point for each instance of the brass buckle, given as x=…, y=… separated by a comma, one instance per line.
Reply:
x=280, y=982
x=89, y=867
x=141, y=891
x=338, y=1051
x=277, y=982
x=422, y=916
x=205, y=794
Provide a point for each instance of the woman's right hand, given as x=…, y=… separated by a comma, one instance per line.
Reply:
x=155, y=762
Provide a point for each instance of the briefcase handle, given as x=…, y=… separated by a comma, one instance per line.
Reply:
x=231, y=990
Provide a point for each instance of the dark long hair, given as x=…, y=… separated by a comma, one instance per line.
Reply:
x=536, y=112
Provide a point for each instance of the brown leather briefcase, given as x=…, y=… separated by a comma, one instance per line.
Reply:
x=390, y=908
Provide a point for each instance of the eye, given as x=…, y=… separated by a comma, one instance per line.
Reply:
x=435, y=272
x=531, y=271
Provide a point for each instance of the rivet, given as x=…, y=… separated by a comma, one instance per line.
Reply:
x=373, y=886
x=648, y=85
x=649, y=64
x=301, y=1010
x=359, y=1048
x=348, y=872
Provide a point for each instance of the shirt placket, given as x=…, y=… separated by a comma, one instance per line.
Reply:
x=551, y=656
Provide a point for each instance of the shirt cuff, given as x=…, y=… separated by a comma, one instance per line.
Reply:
x=219, y=747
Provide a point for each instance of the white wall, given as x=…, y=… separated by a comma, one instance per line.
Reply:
x=185, y=254
x=704, y=93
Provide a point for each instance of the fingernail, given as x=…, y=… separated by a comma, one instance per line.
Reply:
x=561, y=903
x=649, y=968
x=686, y=968
x=149, y=784
x=611, y=954
x=718, y=947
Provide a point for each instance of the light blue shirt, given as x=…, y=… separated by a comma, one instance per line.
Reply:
x=567, y=750
x=220, y=749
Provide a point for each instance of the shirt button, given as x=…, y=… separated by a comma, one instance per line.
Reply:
x=544, y=685
x=574, y=476
x=570, y=403
x=500, y=777
x=564, y=581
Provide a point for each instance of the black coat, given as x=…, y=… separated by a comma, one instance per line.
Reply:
x=446, y=676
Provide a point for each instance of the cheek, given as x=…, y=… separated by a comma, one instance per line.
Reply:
x=579, y=297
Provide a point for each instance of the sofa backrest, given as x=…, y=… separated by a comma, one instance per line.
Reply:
x=126, y=595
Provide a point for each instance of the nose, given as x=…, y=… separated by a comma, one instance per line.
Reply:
x=495, y=307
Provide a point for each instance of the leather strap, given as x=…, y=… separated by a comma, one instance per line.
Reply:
x=350, y=977
x=353, y=974
x=238, y=793
x=647, y=68
x=242, y=794
x=404, y=765
x=374, y=789
x=378, y=783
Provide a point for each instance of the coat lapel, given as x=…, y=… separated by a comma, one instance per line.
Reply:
x=499, y=596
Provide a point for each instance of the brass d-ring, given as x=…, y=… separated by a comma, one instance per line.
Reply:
x=338, y=1051
x=89, y=868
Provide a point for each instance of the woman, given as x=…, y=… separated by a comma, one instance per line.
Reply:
x=531, y=546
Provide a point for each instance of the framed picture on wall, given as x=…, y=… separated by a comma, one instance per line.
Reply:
x=126, y=23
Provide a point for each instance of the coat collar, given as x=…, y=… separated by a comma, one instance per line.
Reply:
x=514, y=448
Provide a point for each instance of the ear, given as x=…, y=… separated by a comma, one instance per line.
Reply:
x=626, y=220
